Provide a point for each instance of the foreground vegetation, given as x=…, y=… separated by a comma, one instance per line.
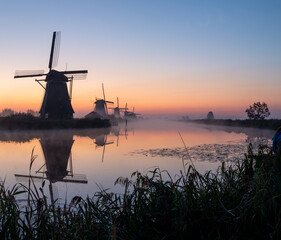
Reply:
x=23, y=121
x=265, y=123
x=238, y=202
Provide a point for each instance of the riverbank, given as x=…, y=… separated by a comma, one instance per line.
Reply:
x=272, y=124
x=29, y=122
x=236, y=202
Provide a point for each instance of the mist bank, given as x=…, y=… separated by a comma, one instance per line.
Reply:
x=272, y=124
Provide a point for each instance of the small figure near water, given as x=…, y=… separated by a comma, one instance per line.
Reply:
x=277, y=140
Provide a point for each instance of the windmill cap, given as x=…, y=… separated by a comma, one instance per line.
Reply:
x=54, y=75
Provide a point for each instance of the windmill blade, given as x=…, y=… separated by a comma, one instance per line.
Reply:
x=104, y=100
x=54, y=55
x=103, y=92
x=77, y=76
x=70, y=89
x=117, y=102
x=103, y=151
x=109, y=102
x=28, y=73
x=76, y=178
x=75, y=72
x=106, y=108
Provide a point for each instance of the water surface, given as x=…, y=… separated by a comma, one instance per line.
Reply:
x=80, y=162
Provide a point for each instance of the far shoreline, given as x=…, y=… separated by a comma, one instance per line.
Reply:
x=271, y=124
x=29, y=122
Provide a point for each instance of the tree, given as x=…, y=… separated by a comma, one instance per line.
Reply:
x=32, y=112
x=210, y=115
x=258, y=111
x=7, y=112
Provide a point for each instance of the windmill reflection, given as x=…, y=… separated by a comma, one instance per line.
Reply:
x=58, y=161
x=101, y=141
x=120, y=132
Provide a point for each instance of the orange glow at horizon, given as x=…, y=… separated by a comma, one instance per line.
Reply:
x=154, y=95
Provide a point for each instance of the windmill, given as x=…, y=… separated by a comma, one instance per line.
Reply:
x=126, y=112
x=57, y=100
x=131, y=115
x=101, y=105
x=117, y=110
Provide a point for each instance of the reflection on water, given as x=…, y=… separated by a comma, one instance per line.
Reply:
x=79, y=162
x=58, y=165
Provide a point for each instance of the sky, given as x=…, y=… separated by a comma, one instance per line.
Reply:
x=180, y=57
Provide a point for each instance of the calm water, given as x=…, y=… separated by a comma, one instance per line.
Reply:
x=79, y=162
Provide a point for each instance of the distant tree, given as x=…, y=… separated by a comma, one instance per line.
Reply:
x=7, y=112
x=258, y=111
x=32, y=112
x=210, y=115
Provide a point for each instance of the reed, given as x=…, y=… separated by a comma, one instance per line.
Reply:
x=235, y=202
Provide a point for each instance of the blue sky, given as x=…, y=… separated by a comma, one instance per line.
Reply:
x=217, y=55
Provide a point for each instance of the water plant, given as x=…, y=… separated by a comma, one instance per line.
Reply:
x=241, y=201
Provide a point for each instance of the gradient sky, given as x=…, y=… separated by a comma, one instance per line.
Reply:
x=162, y=57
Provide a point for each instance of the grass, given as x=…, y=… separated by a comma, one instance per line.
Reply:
x=23, y=121
x=236, y=202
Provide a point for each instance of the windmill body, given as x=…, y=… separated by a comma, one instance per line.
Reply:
x=100, y=107
x=57, y=100
x=117, y=112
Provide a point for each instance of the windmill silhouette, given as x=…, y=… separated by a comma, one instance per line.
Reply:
x=130, y=115
x=101, y=105
x=117, y=110
x=57, y=100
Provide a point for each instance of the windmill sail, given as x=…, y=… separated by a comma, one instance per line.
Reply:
x=28, y=73
x=54, y=55
x=57, y=100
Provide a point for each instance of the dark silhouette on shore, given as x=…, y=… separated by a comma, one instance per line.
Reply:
x=57, y=100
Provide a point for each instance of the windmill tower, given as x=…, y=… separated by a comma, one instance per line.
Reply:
x=57, y=101
x=101, y=105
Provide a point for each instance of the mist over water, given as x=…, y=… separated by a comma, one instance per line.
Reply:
x=78, y=162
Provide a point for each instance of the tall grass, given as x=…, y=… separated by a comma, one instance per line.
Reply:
x=236, y=202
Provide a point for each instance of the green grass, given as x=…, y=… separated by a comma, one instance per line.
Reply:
x=237, y=202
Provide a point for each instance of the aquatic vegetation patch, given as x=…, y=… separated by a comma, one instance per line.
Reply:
x=230, y=152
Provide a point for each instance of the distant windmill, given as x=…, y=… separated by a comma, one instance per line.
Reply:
x=117, y=110
x=101, y=105
x=57, y=101
x=130, y=115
